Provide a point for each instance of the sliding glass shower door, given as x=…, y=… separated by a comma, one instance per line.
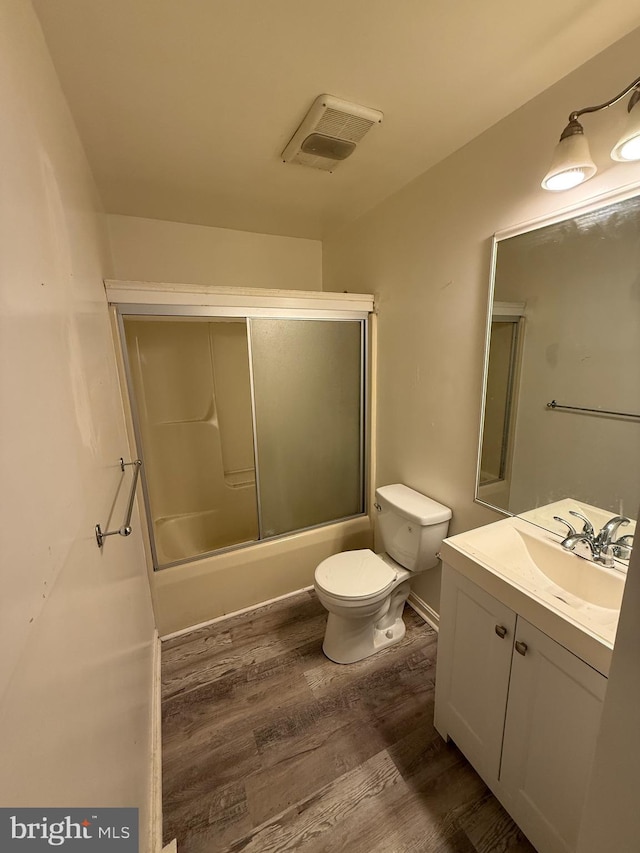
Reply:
x=248, y=427
x=308, y=418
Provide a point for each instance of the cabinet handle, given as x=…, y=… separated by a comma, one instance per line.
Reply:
x=521, y=647
x=501, y=631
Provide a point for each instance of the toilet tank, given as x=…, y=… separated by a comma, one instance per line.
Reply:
x=412, y=526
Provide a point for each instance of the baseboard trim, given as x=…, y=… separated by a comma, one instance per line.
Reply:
x=224, y=616
x=155, y=829
x=424, y=611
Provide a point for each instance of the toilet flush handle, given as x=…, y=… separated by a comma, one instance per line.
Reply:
x=378, y=507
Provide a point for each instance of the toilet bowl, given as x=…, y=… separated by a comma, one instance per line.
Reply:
x=365, y=596
x=365, y=593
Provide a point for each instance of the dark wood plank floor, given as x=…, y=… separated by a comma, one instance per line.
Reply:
x=268, y=746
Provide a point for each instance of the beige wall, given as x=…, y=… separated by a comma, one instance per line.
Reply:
x=76, y=623
x=154, y=250
x=425, y=252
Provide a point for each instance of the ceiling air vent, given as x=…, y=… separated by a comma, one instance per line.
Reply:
x=330, y=132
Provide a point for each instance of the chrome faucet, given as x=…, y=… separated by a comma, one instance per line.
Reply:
x=600, y=547
x=602, y=554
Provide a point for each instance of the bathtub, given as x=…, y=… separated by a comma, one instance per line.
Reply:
x=180, y=537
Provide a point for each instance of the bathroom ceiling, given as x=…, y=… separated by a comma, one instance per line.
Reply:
x=184, y=106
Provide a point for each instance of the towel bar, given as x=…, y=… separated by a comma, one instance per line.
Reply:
x=554, y=405
x=125, y=528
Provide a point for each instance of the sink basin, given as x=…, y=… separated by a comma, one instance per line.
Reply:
x=574, y=601
x=535, y=559
x=582, y=578
x=545, y=517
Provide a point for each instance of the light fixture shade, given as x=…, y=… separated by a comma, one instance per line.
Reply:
x=627, y=148
x=571, y=164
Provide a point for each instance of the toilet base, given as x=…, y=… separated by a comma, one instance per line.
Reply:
x=348, y=639
x=339, y=653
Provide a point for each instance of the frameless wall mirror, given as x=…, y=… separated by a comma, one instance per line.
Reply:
x=249, y=427
x=561, y=406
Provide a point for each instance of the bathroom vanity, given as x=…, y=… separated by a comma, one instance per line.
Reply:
x=526, y=635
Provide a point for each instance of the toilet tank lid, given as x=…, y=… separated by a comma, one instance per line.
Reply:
x=413, y=505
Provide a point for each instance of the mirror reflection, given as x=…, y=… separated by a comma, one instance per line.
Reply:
x=562, y=393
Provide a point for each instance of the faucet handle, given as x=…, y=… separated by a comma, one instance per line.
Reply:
x=572, y=530
x=588, y=527
x=623, y=547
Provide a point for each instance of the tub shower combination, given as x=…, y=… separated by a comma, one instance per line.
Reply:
x=249, y=427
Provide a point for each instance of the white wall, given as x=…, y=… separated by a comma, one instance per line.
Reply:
x=425, y=252
x=155, y=250
x=76, y=624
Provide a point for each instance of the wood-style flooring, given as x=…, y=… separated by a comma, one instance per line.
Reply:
x=268, y=746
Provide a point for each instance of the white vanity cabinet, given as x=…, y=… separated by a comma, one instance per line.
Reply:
x=523, y=710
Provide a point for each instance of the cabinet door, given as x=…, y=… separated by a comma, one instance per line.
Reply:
x=472, y=678
x=553, y=715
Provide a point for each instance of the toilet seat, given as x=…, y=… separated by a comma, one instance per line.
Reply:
x=355, y=575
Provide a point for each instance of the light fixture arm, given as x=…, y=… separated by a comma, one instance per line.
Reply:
x=636, y=96
x=572, y=162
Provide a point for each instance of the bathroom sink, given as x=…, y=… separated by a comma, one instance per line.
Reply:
x=573, y=600
x=536, y=559
x=584, y=579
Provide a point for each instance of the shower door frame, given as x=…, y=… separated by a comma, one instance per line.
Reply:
x=213, y=312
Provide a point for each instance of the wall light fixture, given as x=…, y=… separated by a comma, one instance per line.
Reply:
x=572, y=163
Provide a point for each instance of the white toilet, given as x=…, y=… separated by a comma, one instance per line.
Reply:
x=365, y=592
